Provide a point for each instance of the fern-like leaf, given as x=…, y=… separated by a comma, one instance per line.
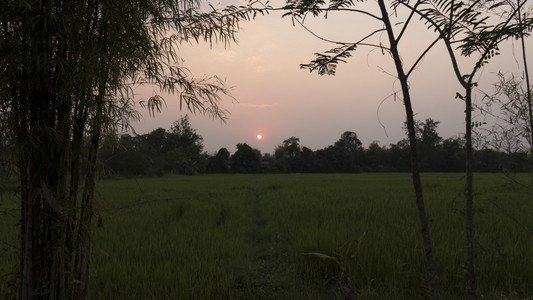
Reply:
x=327, y=63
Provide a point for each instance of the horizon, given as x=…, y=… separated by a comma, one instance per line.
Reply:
x=277, y=99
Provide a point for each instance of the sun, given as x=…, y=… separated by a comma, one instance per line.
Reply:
x=259, y=136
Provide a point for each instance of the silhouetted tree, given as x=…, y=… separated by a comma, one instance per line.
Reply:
x=159, y=152
x=428, y=141
x=393, y=24
x=220, y=162
x=349, y=142
x=451, y=155
x=510, y=104
x=472, y=31
x=185, y=147
x=268, y=163
x=307, y=160
x=126, y=155
x=375, y=159
x=67, y=72
x=246, y=159
x=348, y=152
x=288, y=155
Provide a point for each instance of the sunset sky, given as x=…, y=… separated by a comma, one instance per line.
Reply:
x=277, y=99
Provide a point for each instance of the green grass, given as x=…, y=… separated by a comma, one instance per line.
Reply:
x=9, y=238
x=242, y=236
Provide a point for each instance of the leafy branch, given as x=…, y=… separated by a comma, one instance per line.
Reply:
x=327, y=64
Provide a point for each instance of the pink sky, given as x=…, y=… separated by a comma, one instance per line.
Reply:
x=278, y=99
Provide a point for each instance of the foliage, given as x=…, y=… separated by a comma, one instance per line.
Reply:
x=473, y=30
x=178, y=151
x=68, y=69
x=288, y=155
x=341, y=259
x=387, y=22
x=220, y=162
x=245, y=159
x=134, y=155
x=510, y=106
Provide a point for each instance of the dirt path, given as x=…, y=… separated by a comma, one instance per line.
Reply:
x=270, y=278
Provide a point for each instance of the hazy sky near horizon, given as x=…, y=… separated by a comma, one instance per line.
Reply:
x=277, y=99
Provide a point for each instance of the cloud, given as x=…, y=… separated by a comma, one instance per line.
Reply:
x=263, y=105
x=227, y=55
x=257, y=63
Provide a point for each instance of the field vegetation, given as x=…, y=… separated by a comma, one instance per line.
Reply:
x=243, y=236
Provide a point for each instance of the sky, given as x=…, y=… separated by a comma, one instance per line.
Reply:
x=275, y=98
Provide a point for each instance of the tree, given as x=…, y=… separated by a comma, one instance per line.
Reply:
x=326, y=63
x=307, y=160
x=182, y=134
x=184, y=148
x=220, y=162
x=348, y=152
x=349, y=142
x=516, y=108
x=246, y=159
x=158, y=152
x=428, y=140
x=118, y=155
x=471, y=29
x=452, y=155
x=510, y=105
x=288, y=154
x=67, y=72
x=375, y=158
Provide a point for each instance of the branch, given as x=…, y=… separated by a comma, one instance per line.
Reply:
x=301, y=8
x=497, y=39
x=422, y=56
x=359, y=43
x=316, y=35
x=326, y=64
x=404, y=28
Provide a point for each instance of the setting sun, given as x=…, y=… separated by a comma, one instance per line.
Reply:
x=259, y=136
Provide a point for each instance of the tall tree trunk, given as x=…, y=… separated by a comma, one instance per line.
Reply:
x=72, y=205
x=472, y=286
x=20, y=108
x=83, y=257
x=85, y=222
x=528, y=86
x=415, y=165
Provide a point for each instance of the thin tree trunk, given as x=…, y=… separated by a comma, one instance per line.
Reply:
x=72, y=218
x=26, y=246
x=85, y=223
x=415, y=165
x=26, y=252
x=472, y=286
x=467, y=85
x=528, y=87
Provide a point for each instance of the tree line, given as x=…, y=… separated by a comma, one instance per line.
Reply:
x=180, y=151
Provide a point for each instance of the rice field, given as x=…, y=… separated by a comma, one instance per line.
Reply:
x=243, y=236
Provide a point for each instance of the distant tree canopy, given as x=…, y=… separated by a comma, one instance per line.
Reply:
x=179, y=151
x=246, y=159
x=219, y=163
